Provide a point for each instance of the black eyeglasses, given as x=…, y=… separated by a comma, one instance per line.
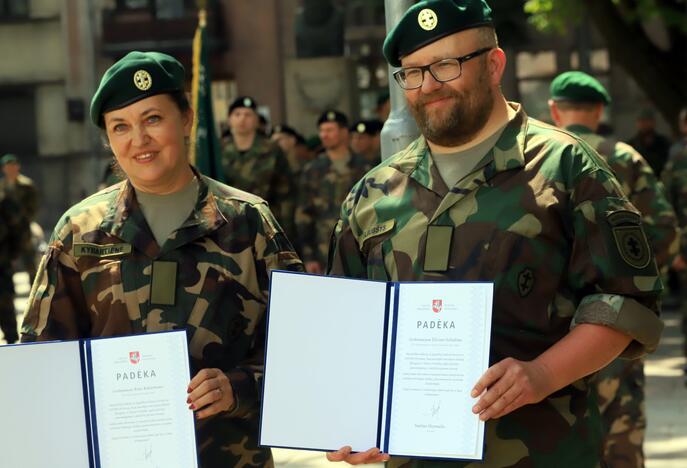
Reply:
x=444, y=70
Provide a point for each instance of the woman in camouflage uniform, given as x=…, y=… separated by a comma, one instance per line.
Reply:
x=166, y=249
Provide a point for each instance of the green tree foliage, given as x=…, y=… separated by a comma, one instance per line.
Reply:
x=620, y=23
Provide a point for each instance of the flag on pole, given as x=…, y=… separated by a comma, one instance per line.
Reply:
x=205, y=152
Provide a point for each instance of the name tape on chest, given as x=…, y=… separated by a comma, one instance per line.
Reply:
x=101, y=250
x=377, y=230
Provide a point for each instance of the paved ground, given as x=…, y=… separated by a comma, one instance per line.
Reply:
x=666, y=442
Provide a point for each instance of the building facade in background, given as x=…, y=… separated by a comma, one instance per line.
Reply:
x=295, y=57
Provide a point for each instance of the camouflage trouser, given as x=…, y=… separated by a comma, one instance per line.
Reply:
x=8, y=318
x=620, y=394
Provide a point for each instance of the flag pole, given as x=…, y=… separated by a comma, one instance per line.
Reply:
x=195, y=82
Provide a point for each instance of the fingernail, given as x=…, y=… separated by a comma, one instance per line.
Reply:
x=476, y=409
x=189, y=390
x=188, y=400
x=474, y=393
x=192, y=407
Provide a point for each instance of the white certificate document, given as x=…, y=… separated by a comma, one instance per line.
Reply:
x=139, y=387
x=441, y=349
x=374, y=364
x=44, y=421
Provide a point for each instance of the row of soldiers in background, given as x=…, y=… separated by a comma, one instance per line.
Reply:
x=18, y=208
x=304, y=184
x=304, y=180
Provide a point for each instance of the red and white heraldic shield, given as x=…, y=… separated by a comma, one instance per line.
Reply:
x=134, y=357
x=437, y=304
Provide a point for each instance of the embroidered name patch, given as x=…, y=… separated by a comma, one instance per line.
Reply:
x=101, y=250
x=377, y=230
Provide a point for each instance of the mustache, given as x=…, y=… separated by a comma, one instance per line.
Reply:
x=427, y=98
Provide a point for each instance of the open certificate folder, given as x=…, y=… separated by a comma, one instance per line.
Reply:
x=101, y=403
x=373, y=364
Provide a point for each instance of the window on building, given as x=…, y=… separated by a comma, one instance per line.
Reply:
x=163, y=9
x=133, y=4
x=19, y=121
x=14, y=8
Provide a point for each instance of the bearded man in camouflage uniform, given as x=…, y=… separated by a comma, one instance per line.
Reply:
x=255, y=164
x=577, y=104
x=489, y=194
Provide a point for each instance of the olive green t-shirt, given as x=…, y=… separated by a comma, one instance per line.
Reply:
x=341, y=165
x=454, y=166
x=166, y=213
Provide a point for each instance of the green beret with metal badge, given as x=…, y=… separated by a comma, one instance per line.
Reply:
x=333, y=116
x=577, y=86
x=243, y=102
x=136, y=76
x=430, y=20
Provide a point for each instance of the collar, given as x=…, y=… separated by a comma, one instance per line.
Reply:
x=508, y=153
x=125, y=219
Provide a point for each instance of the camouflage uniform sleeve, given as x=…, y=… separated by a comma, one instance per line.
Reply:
x=31, y=202
x=306, y=215
x=56, y=309
x=10, y=234
x=272, y=252
x=660, y=222
x=284, y=193
x=675, y=180
x=611, y=262
x=345, y=256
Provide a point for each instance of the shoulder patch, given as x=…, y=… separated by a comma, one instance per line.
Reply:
x=630, y=239
x=377, y=230
x=101, y=250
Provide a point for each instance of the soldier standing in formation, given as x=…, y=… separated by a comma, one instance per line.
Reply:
x=253, y=163
x=23, y=192
x=577, y=105
x=168, y=249
x=675, y=180
x=650, y=144
x=489, y=194
x=324, y=184
x=9, y=243
x=366, y=140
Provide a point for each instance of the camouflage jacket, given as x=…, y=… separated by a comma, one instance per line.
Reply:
x=9, y=230
x=321, y=192
x=96, y=280
x=543, y=217
x=263, y=171
x=25, y=195
x=644, y=191
x=675, y=179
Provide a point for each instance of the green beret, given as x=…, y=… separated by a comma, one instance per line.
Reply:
x=333, y=116
x=577, y=86
x=8, y=158
x=243, y=102
x=431, y=20
x=136, y=76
